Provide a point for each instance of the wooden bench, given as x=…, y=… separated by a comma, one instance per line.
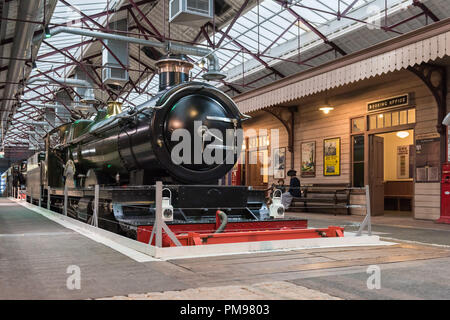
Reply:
x=322, y=197
x=399, y=194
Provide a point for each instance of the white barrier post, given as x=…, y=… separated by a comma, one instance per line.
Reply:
x=65, y=200
x=96, y=201
x=48, y=197
x=367, y=222
x=159, y=223
x=158, y=214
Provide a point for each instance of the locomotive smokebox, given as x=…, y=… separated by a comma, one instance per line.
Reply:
x=173, y=70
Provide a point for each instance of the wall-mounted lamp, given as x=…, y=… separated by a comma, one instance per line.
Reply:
x=326, y=107
x=326, y=110
x=402, y=134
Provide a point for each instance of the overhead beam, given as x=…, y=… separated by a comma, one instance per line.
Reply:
x=255, y=56
x=350, y=6
x=425, y=9
x=311, y=27
x=230, y=26
x=144, y=17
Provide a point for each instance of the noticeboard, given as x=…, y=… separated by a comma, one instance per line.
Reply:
x=428, y=159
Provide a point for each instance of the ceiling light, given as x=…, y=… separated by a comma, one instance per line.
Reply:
x=403, y=134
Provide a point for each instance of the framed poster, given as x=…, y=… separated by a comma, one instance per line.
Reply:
x=279, y=161
x=332, y=157
x=308, y=154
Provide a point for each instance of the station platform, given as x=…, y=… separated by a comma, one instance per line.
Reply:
x=35, y=253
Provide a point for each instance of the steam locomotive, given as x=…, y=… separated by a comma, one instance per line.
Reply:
x=125, y=151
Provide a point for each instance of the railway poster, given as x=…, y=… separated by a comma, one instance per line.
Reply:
x=279, y=158
x=308, y=167
x=332, y=157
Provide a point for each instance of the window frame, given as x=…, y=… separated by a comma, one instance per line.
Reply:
x=390, y=111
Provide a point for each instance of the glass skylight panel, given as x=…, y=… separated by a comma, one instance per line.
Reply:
x=248, y=29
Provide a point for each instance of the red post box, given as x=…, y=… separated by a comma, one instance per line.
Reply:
x=445, y=194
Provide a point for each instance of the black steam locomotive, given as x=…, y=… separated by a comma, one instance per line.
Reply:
x=135, y=148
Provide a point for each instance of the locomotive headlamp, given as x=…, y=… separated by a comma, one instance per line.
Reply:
x=276, y=209
x=167, y=208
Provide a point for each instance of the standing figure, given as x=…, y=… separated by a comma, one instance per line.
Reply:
x=294, y=189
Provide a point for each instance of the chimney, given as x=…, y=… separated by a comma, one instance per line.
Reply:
x=173, y=70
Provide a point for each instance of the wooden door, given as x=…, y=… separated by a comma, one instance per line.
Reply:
x=376, y=174
x=254, y=170
x=257, y=168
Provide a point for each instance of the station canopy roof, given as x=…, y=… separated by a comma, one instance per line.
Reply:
x=256, y=41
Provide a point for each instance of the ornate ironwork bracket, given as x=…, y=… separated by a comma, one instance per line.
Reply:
x=286, y=116
x=435, y=78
